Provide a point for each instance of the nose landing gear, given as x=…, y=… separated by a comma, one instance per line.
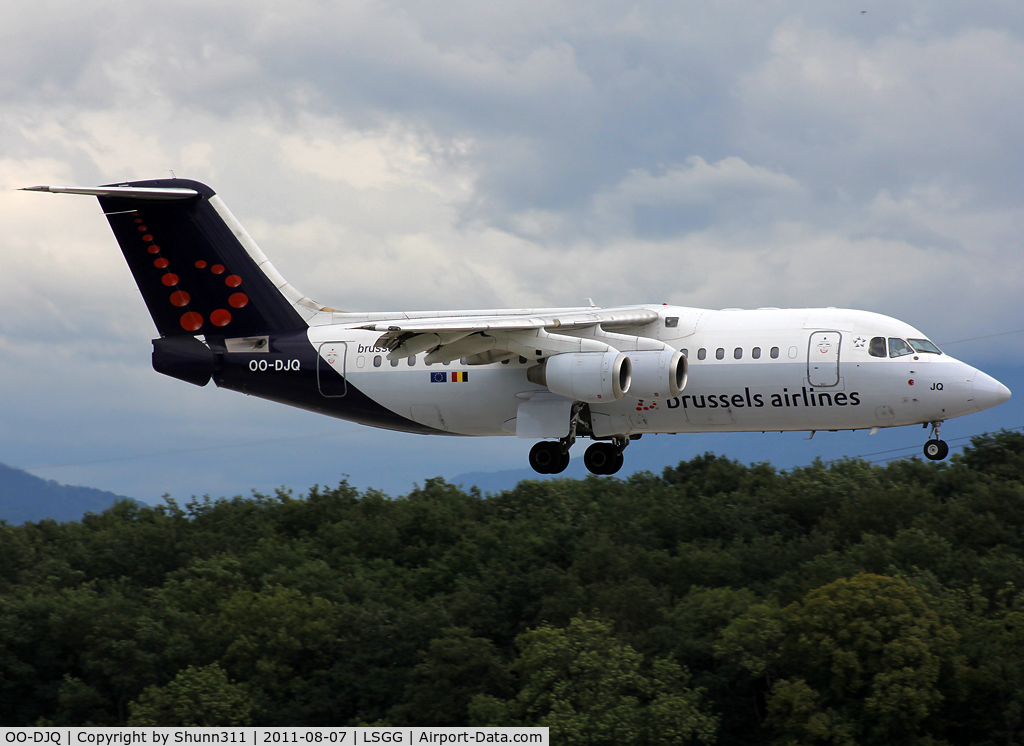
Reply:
x=936, y=449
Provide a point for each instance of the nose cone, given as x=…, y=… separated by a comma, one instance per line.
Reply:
x=988, y=392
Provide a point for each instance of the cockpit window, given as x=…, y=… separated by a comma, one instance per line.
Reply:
x=877, y=347
x=899, y=348
x=923, y=345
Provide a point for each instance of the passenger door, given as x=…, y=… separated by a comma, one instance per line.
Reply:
x=330, y=369
x=823, y=358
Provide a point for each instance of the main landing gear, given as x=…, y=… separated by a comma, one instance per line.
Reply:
x=552, y=456
x=604, y=458
x=936, y=449
x=547, y=457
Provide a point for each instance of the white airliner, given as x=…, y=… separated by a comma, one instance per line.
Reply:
x=554, y=374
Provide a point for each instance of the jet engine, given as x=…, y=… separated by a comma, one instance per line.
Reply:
x=657, y=373
x=593, y=377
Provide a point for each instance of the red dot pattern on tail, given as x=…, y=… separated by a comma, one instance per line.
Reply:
x=192, y=321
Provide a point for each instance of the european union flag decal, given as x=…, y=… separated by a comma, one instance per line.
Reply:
x=439, y=377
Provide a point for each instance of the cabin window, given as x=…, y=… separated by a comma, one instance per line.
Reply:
x=738, y=353
x=899, y=348
x=462, y=361
x=447, y=362
x=756, y=353
x=702, y=353
x=376, y=361
x=412, y=360
x=793, y=352
x=923, y=345
x=425, y=362
x=506, y=361
x=775, y=353
x=876, y=348
x=685, y=352
x=720, y=353
x=394, y=363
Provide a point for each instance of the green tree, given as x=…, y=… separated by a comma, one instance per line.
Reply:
x=992, y=635
x=859, y=661
x=589, y=689
x=455, y=668
x=197, y=696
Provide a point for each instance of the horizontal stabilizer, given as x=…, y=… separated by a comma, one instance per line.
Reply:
x=125, y=192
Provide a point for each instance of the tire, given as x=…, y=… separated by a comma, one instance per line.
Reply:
x=545, y=457
x=602, y=458
x=936, y=450
x=561, y=465
x=617, y=464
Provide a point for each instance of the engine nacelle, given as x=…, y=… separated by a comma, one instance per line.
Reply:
x=657, y=373
x=593, y=377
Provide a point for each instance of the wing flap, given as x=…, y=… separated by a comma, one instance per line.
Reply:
x=506, y=332
x=511, y=322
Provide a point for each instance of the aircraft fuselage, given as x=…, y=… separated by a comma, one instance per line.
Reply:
x=794, y=383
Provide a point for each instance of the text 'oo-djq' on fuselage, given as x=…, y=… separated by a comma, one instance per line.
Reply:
x=555, y=374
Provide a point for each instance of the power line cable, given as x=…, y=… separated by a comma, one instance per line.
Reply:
x=972, y=339
x=951, y=443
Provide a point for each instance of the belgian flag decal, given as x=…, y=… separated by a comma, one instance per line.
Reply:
x=460, y=376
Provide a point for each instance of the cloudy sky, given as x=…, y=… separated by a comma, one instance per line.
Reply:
x=414, y=155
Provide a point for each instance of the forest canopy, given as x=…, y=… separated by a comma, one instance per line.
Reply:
x=717, y=603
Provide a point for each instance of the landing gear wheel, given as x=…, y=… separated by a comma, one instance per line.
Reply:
x=561, y=466
x=546, y=457
x=936, y=450
x=603, y=458
x=619, y=461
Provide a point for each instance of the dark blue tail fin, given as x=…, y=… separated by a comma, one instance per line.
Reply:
x=197, y=268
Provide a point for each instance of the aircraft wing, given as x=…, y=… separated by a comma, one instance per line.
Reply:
x=484, y=339
x=557, y=320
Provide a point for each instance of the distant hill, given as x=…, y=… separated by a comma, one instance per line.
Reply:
x=24, y=497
